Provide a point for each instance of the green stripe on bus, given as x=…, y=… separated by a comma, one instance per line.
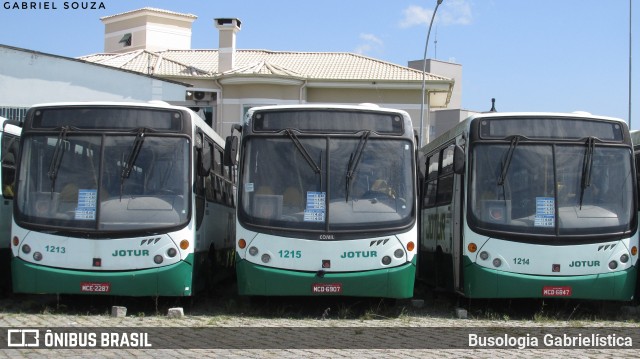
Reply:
x=482, y=282
x=171, y=280
x=397, y=282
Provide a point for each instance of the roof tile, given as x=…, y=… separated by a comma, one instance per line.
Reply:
x=309, y=65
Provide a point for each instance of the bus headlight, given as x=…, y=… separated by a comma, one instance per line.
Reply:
x=26, y=249
x=171, y=252
x=613, y=265
x=398, y=253
x=386, y=260
x=497, y=262
x=158, y=259
x=484, y=255
x=266, y=258
x=624, y=258
x=37, y=256
x=253, y=251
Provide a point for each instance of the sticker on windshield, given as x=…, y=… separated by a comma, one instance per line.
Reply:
x=315, y=209
x=545, y=212
x=248, y=187
x=86, y=210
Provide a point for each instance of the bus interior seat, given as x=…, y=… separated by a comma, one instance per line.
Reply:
x=264, y=190
x=292, y=198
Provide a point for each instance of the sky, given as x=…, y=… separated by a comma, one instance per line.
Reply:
x=543, y=55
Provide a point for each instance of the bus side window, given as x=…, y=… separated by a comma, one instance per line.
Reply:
x=445, y=182
x=210, y=179
x=637, y=159
x=8, y=176
x=9, y=165
x=431, y=181
x=217, y=174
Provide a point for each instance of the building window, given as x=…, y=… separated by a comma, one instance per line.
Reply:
x=126, y=40
x=13, y=113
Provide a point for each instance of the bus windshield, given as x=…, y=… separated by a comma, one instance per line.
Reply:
x=111, y=183
x=363, y=183
x=559, y=190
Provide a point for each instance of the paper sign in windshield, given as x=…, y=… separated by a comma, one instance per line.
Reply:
x=87, y=200
x=545, y=212
x=315, y=210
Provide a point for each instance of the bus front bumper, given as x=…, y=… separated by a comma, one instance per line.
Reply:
x=172, y=280
x=397, y=282
x=481, y=282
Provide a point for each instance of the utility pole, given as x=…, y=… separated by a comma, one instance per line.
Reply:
x=424, y=76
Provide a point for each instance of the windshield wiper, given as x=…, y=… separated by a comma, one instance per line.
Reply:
x=133, y=155
x=303, y=151
x=507, y=160
x=587, y=164
x=354, y=160
x=56, y=159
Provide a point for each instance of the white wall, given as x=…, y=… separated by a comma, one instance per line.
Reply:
x=28, y=77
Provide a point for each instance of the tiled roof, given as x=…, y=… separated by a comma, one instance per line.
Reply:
x=264, y=68
x=147, y=62
x=307, y=65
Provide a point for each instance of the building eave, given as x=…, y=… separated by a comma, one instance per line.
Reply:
x=431, y=86
x=262, y=80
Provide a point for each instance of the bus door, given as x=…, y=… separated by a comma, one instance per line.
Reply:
x=457, y=216
x=438, y=218
x=636, y=156
x=9, y=154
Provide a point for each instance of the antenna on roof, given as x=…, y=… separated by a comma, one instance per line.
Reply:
x=493, y=105
x=435, y=45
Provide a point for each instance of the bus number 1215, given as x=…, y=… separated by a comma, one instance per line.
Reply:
x=290, y=254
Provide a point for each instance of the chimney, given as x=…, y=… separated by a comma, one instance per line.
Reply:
x=227, y=29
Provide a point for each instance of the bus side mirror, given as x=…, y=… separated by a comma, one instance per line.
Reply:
x=458, y=160
x=230, y=151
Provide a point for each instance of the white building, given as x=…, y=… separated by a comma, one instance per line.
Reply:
x=28, y=77
x=227, y=81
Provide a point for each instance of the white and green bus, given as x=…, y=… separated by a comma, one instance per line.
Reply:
x=10, y=139
x=127, y=199
x=530, y=205
x=326, y=201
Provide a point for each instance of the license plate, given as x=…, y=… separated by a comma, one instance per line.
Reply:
x=92, y=287
x=326, y=288
x=550, y=291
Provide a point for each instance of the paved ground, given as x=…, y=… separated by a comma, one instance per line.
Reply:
x=284, y=330
x=431, y=329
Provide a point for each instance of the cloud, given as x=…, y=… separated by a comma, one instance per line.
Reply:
x=455, y=12
x=451, y=12
x=369, y=43
x=371, y=38
x=415, y=15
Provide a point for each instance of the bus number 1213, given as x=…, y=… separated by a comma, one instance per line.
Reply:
x=55, y=249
